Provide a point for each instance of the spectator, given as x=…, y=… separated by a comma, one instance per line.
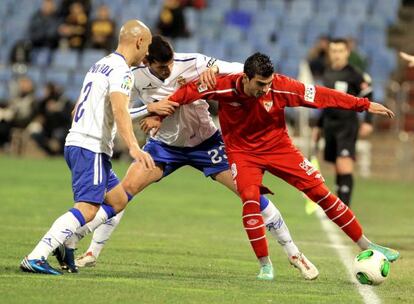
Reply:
x=65, y=5
x=102, y=30
x=74, y=28
x=197, y=4
x=52, y=121
x=43, y=26
x=19, y=111
x=355, y=58
x=171, y=22
x=318, y=57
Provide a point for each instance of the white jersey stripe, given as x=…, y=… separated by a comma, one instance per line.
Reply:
x=96, y=170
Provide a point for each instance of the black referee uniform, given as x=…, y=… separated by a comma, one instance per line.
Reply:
x=340, y=127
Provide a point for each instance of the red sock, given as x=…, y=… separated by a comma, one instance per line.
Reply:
x=336, y=210
x=253, y=221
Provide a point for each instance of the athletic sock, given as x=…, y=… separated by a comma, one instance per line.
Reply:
x=344, y=184
x=336, y=210
x=277, y=227
x=104, y=212
x=102, y=234
x=62, y=229
x=253, y=221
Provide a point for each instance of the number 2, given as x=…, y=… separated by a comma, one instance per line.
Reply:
x=79, y=111
x=215, y=155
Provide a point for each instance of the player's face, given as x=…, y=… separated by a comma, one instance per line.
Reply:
x=257, y=86
x=338, y=54
x=162, y=70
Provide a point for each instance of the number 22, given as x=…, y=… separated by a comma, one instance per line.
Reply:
x=79, y=111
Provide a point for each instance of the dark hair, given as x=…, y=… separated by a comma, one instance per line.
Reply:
x=339, y=40
x=258, y=64
x=160, y=50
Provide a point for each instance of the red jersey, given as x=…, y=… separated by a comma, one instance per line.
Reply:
x=251, y=124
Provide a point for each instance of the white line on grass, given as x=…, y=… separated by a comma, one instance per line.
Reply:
x=368, y=294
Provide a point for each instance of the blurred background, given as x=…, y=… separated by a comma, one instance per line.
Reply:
x=48, y=45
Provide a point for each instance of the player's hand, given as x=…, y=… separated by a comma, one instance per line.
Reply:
x=365, y=130
x=150, y=123
x=208, y=77
x=142, y=157
x=164, y=107
x=408, y=58
x=377, y=108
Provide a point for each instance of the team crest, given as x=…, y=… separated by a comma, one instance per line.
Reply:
x=181, y=81
x=268, y=105
x=127, y=82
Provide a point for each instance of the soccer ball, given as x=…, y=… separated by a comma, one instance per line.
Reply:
x=371, y=267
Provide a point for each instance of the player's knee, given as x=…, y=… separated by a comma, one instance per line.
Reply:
x=130, y=187
x=250, y=193
x=88, y=210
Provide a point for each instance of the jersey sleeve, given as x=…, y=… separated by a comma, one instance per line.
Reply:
x=292, y=93
x=121, y=80
x=191, y=92
x=204, y=62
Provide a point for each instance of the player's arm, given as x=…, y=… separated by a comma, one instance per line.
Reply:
x=119, y=103
x=191, y=92
x=408, y=58
x=295, y=93
x=162, y=108
x=209, y=67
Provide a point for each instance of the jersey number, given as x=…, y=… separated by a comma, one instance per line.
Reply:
x=215, y=155
x=79, y=111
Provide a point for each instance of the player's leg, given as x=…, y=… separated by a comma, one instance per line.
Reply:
x=276, y=225
x=135, y=180
x=299, y=172
x=89, y=191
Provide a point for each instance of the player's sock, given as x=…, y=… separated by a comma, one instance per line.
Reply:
x=62, y=229
x=276, y=225
x=344, y=184
x=253, y=221
x=336, y=210
x=103, y=233
x=104, y=212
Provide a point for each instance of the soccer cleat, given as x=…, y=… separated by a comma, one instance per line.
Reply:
x=391, y=254
x=66, y=258
x=86, y=260
x=38, y=266
x=306, y=268
x=266, y=272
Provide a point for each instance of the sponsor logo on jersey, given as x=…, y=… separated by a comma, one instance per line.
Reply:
x=268, y=104
x=341, y=86
x=202, y=88
x=211, y=62
x=235, y=104
x=149, y=87
x=252, y=222
x=340, y=207
x=310, y=93
x=181, y=81
x=127, y=83
x=344, y=153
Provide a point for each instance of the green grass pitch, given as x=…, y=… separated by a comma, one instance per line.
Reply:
x=182, y=241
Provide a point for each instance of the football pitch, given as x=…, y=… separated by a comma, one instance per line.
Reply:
x=182, y=241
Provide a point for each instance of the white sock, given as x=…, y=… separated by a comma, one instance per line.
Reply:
x=277, y=227
x=62, y=229
x=103, y=233
x=100, y=218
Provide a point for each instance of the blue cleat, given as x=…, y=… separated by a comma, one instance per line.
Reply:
x=66, y=258
x=391, y=254
x=38, y=266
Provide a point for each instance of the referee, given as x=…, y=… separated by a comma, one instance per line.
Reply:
x=341, y=128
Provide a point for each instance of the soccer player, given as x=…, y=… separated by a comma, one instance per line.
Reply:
x=103, y=102
x=188, y=137
x=340, y=127
x=251, y=114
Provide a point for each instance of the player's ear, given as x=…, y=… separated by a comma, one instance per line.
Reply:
x=138, y=43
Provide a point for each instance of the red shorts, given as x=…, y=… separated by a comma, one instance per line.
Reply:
x=286, y=162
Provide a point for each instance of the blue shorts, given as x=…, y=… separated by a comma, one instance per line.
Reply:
x=92, y=174
x=208, y=157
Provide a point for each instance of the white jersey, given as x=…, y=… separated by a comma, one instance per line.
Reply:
x=191, y=124
x=93, y=125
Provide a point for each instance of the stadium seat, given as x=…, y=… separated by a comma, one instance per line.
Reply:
x=239, y=54
x=214, y=49
x=239, y=18
x=220, y=5
x=192, y=17
x=187, y=45
x=36, y=74
x=65, y=59
x=61, y=77
x=89, y=57
x=6, y=74
x=248, y=5
x=211, y=17
x=345, y=27
x=41, y=56
x=4, y=93
x=330, y=7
